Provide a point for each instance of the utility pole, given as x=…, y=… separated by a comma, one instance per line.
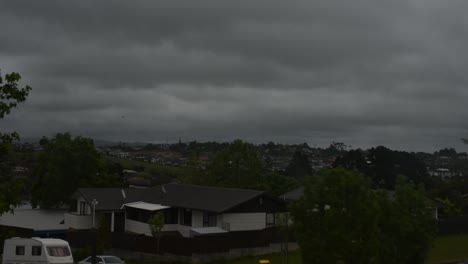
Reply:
x=94, y=202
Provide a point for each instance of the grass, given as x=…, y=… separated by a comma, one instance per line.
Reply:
x=449, y=248
x=294, y=258
x=150, y=168
x=445, y=249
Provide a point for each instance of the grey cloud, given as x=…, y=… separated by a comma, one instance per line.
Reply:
x=363, y=72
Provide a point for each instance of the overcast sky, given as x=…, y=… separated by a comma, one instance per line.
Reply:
x=366, y=73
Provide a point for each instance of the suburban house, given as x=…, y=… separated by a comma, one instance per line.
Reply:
x=190, y=210
x=43, y=222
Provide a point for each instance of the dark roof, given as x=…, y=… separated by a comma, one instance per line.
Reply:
x=204, y=198
x=293, y=195
x=111, y=198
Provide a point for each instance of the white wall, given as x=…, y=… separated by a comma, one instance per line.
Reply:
x=76, y=221
x=143, y=228
x=137, y=227
x=197, y=219
x=245, y=221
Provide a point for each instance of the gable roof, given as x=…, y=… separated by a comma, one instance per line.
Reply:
x=111, y=198
x=213, y=199
x=293, y=195
x=195, y=197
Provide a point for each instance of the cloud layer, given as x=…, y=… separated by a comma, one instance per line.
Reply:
x=363, y=72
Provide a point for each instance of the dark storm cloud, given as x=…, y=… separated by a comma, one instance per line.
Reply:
x=363, y=72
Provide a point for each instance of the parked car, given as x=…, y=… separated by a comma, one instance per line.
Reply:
x=102, y=260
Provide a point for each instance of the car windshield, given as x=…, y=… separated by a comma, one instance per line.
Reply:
x=58, y=251
x=112, y=260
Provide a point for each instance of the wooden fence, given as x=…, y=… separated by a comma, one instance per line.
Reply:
x=174, y=243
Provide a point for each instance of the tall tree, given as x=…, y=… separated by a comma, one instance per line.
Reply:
x=10, y=96
x=66, y=164
x=384, y=165
x=299, y=166
x=239, y=165
x=334, y=221
x=342, y=219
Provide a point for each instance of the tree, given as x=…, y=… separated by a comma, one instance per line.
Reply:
x=334, y=220
x=10, y=96
x=383, y=165
x=406, y=224
x=342, y=219
x=299, y=166
x=156, y=223
x=66, y=164
x=239, y=166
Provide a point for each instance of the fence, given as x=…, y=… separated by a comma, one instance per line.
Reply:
x=174, y=243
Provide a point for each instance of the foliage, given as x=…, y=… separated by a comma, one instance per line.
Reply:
x=299, y=167
x=342, y=219
x=66, y=164
x=239, y=165
x=383, y=166
x=156, y=223
x=278, y=184
x=10, y=96
x=449, y=208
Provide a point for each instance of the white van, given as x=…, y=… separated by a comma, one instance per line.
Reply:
x=36, y=251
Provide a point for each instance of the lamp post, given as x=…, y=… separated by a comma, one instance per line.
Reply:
x=94, y=202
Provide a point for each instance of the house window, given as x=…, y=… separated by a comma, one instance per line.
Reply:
x=171, y=216
x=19, y=250
x=270, y=219
x=209, y=219
x=74, y=206
x=186, y=217
x=82, y=208
x=36, y=250
x=58, y=251
x=138, y=215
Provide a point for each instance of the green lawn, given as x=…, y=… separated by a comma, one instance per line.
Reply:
x=294, y=258
x=445, y=249
x=150, y=168
x=449, y=248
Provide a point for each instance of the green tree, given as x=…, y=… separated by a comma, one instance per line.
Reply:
x=66, y=164
x=239, y=166
x=334, y=220
x=156, y=223
x=299, y=167
x=342, y=219
x=407, y=226
x=10, y=96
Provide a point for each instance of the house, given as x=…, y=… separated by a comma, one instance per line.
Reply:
x=443, y=173
x=190, y=210
x=43, y=222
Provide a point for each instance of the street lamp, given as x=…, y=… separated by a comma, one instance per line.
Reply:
x=94, y=202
